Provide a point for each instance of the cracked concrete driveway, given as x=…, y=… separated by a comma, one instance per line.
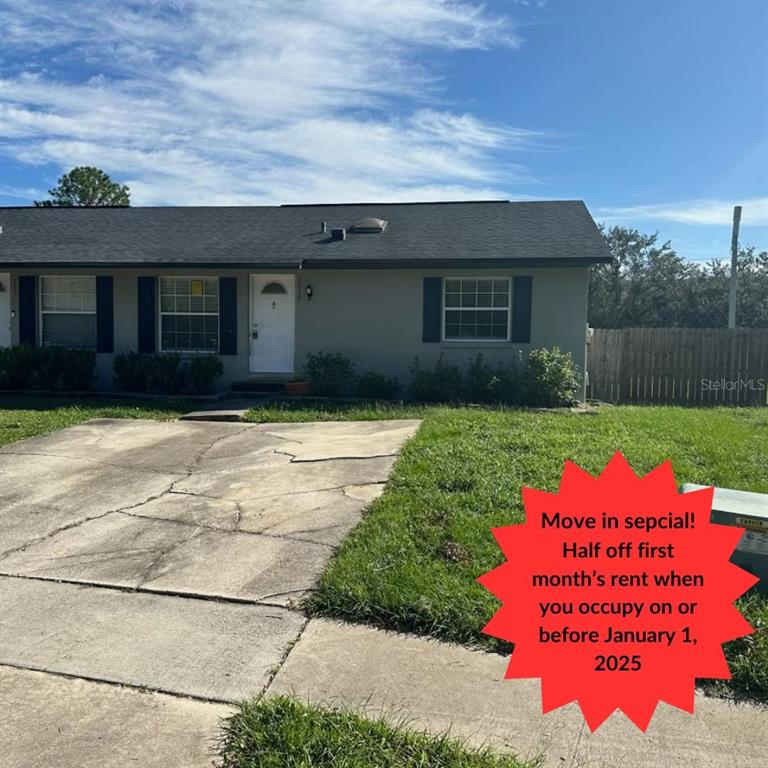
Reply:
x=167, y=556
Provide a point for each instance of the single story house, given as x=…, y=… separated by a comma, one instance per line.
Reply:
x=264, y=286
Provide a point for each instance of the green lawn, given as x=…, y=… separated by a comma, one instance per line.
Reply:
x=27, y=416
x=298, y=410
x=284, y=733
x=411, y=564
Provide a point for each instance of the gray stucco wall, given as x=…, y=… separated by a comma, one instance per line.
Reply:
x=374, y=317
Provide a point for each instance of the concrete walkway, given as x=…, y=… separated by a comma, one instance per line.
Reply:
x=439, y=686
x=165, y=557
x=149, y=578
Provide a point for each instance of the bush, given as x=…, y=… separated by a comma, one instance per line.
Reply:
x=204, y=371
x=551, y=379
x=130, y=371
x=485, y=384
x=331, y=374
x=47, y=368
x=166, y=373
x=443, y=384
x=374, y=386
x=17, y=367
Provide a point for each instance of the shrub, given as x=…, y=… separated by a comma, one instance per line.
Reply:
x=331, y=374
x=73, y=369
x=17, y=367
x=485, y=384
x=552, y=379
x=374, y=386
x=130, y=371
x=48, y=368
x=204, y=370
x=443, y=384
x=166, y=373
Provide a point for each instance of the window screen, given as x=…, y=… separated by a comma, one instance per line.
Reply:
x=68, y=311
x=476, y=309
x=189, y=314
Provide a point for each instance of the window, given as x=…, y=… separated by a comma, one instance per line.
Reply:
x=476, y=309
x=274, y=288
x=189, y=314
x=68, y=311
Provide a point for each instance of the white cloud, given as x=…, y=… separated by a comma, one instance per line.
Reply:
x=719, y=212
x=213, y=102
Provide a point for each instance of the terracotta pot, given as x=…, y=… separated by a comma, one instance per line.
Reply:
x=297, y=388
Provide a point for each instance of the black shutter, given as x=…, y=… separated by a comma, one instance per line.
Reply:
x=431, y=308
x=227, y=315
x=28, y=310
x=521, y=309
x=105, y=314
x=147, y=307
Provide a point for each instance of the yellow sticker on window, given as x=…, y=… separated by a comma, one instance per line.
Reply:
x=197, y=287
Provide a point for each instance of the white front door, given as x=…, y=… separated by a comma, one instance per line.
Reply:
x=5, y=309
x=273, y=322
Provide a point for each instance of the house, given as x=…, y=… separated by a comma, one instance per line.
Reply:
x=264, y=286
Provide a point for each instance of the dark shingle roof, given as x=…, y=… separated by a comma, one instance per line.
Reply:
x=423, y=234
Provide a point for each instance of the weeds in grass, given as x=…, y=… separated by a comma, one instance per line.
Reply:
x=281, y=732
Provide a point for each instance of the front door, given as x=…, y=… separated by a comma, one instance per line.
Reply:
x=273, y=322
x=5, y=309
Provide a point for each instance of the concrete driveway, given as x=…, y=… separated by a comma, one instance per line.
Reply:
x=169, y=557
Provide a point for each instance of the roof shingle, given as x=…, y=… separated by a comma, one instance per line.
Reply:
x=423, y=234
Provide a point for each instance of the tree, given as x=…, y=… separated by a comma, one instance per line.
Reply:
x=86, y=186
x=650, y=285
x=641, y=286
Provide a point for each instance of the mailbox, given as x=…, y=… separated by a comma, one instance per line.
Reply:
x=749, y=511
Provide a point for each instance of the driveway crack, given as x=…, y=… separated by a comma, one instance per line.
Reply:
x=295, y=460
x=82, y=521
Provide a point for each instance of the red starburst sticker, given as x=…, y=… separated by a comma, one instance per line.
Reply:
x=617, y=592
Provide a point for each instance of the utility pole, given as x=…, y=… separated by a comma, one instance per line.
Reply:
x=734, y=257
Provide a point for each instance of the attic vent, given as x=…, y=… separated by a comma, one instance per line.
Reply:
x=369, y=225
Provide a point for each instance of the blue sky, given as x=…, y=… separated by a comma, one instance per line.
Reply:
x=654, y=113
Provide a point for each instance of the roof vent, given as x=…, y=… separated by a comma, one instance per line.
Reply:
x=369, y=225
x=339, y=234
x=323, y=227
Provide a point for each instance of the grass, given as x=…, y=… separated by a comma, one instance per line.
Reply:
x=26, y=416
x=284, y=733
x=318, y=410
x=411, y=563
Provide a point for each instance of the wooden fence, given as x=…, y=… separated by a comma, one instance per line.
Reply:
x=679, y=365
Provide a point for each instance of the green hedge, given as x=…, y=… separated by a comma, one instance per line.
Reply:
x=166, y=373
x=47, y=368
x=549, y=379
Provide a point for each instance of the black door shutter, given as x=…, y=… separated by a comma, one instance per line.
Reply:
x=431, y=308
x=105, y=314
x=227, y=315
x=28, y=310
x=147, y=301
x=521, y=309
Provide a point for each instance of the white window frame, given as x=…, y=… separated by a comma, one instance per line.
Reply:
x=477, y=340
x=160, y=314
x=41, y=311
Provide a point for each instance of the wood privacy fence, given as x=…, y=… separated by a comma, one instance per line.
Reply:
x=679, y=365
